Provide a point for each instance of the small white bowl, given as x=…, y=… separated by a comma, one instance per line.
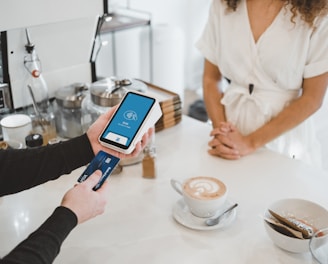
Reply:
x=311, y=212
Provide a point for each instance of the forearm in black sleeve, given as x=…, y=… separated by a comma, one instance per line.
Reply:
x=43, y=245
x=23, y=169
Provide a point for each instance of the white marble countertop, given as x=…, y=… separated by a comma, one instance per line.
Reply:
x=138, y=226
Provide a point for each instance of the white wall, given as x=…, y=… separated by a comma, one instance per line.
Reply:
x=190, y=16
x=64, y=49
x=62, y=31
x=15, y=14
x=187, y=16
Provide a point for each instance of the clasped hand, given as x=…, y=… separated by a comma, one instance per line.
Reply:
x=228, y=142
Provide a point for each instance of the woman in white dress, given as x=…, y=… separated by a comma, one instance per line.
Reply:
x=274, y=54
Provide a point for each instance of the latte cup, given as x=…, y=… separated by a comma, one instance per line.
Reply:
x=204, y=196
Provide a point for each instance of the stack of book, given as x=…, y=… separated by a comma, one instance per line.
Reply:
x=171, y=106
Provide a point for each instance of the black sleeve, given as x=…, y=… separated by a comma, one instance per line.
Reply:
x=43, y=245
x=23, y=169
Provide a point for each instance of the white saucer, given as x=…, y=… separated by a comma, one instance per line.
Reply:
x=183, y=216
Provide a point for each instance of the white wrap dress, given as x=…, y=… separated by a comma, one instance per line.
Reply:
x=273, y=67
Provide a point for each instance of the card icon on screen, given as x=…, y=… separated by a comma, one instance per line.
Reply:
x=131, y=115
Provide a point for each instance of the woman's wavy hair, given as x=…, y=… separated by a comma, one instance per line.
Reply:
x=307, y=9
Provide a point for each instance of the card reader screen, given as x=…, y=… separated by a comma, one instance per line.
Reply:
x=127, y=120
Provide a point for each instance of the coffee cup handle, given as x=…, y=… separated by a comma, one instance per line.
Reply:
x=177, y=186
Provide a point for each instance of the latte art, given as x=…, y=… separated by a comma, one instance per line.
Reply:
x=204, y=188
x=203, y=195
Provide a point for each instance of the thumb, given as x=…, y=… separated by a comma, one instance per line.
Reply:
x=93, y=179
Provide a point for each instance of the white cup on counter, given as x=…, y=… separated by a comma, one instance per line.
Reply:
x=205, y=196
x=16, y=127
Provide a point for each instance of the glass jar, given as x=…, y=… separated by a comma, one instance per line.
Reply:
x=105, y=94
x=37, y=104
x=69, y=112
